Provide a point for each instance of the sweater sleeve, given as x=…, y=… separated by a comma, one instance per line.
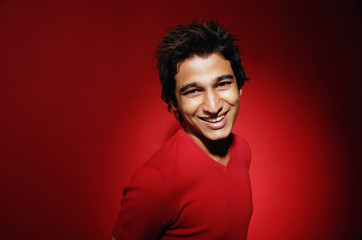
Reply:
x=146, y=207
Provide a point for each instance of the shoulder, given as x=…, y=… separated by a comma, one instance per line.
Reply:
x=153, y=176
x=241, y=147
x=171, y=152
x=150, y=182
x=240, y=142
x=178, y=158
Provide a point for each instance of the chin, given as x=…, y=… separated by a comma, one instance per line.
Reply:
x=216, y=135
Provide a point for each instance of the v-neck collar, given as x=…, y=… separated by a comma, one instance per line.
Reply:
x=193, y=145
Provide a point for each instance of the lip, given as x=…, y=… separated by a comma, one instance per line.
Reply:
x=216, y=125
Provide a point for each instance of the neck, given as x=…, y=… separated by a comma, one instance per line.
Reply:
x=219, y=150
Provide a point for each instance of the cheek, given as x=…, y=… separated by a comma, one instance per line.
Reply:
x=232, y=97
x=188, y=106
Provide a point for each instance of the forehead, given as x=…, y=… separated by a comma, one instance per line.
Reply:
x=202, y=69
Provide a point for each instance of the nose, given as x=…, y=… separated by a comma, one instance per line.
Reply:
x=212, y=103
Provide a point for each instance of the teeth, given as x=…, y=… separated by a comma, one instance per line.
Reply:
x=215, y=119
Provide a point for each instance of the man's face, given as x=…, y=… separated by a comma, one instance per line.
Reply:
x=207, y=96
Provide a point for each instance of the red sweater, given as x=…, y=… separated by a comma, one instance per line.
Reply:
x=181, y=193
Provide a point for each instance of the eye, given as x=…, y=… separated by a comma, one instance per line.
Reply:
x=192, y=92
x=224, y=84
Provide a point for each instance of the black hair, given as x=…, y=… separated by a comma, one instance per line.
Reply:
x=196, y=39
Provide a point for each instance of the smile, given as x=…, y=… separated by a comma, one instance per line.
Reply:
x=214, y=120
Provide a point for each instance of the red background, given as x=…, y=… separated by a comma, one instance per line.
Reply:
x=81, y=110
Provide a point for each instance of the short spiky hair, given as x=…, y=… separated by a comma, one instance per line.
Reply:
x=196, y=39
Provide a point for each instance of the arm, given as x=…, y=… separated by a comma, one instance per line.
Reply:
x=146, y=207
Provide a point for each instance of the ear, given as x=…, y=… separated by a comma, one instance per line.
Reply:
x=240, y=92
x=174, y=107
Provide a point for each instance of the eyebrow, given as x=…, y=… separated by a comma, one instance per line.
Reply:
x=184, y=88
x=195, y=84
x=222, y=77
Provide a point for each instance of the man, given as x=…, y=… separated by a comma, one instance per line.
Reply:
x=197, y=185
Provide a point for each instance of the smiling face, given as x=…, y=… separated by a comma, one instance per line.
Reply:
x=207, y=97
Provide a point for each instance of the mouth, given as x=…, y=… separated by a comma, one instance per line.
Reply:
x=214, y=120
